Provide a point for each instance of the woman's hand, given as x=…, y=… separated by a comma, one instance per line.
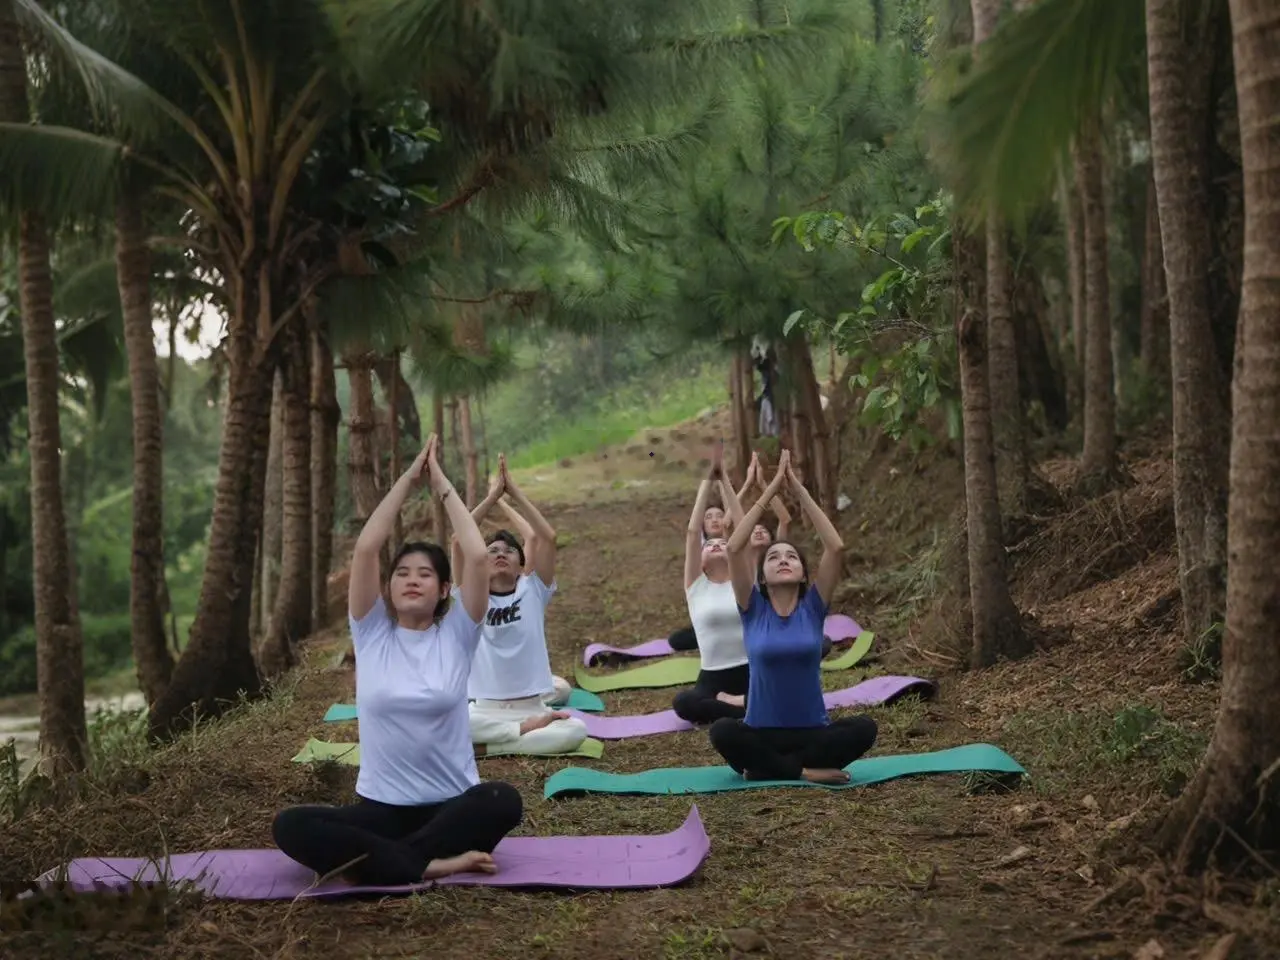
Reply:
x=440, y=484
x=753, y=471
x=418, y=472
x=779, y=475
x=793, y=481
x=716, y=470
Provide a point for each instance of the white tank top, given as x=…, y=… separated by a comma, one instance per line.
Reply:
x=713, y=612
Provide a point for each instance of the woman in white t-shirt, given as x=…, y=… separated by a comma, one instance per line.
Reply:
x=511, y=679
x=721, y=687
x=421, y=811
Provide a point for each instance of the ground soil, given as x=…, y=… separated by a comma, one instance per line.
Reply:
x=1103, y=717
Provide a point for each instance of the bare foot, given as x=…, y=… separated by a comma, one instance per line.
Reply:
x=473, y=861
x=736, y=700
x=824, y=775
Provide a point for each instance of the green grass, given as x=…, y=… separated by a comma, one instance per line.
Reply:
x=630, y=410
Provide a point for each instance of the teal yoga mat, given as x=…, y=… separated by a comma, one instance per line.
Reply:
x=969, y=758
x=578, y=700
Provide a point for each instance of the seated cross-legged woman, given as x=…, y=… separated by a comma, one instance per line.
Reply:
x=786, y=734
x=722, y=682
x=511, y=677
x=421, y=811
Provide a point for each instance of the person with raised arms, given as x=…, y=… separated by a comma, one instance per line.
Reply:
x=786, y=733
x=511, y=680
x=421, y=810
x=716, y=521
x=723, y=678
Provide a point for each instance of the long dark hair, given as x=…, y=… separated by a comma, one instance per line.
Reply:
x=439, y=563
x=804, y=566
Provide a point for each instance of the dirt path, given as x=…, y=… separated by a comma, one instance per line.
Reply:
x=919, y=869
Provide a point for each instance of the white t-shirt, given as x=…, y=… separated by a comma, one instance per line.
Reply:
x=512, y=661
x=411, y=694
x=713, y=611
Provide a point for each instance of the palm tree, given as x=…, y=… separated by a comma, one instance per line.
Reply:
x=1230, y=802
x=59, y=651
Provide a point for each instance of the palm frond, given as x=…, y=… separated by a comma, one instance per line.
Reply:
x=64, y=173
x=1001, y=125
x=88, y=291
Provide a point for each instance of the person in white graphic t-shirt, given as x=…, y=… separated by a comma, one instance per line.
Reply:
x=512, y=686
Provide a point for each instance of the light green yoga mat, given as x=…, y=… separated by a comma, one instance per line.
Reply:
x=578, y=700
x=349, y=753
x=969, y=758
x=677, y=671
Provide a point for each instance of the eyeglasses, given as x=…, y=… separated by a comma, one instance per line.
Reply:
x=501, y=550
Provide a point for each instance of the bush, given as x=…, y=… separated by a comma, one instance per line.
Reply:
x=108, y=646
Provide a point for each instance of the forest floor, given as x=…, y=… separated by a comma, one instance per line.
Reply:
x=1104, y=717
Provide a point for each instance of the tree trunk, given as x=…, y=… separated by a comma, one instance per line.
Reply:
x=1153, y=319
x=217, y=666
x=326, y=416
x=1234, y=789
x=1098, y=461
x=737, y=422
x=391, y=377
x=291, y=614
x=484, y=440
x=997, y=626
x=1182, y=131
x=59, y=642
x=747, y=394
x=1039, y=361
x=438, y=515
x=361, y=426
x=469, y=451
x=272, y=513
x=455, y=440
x=1073, y=217
x=810, y=401
x=151, y=657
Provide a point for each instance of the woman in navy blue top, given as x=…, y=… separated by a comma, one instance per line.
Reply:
x=786, y=734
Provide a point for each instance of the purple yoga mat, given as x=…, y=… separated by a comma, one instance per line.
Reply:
x=838, y=627
x=877, y=690
x=583, y=862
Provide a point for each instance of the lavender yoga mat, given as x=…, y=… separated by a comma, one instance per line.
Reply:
x=877, y=690
x=603, y=863
x=838, y=627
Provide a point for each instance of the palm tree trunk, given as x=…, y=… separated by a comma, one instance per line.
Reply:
x=1153, y=318
x=469, y=450
x=272, y=513
x=997, y=626
x=1231, y=802
x=361, y=424
x=217, y=666
x=1098, y=461
x=326, y=416
x=151, y=655
x=1182, y=133
x=1073, y=218
x=59, y=642
x=291, y=613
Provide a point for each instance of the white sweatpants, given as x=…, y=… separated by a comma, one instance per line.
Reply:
x=498, y=721
x=559, y=695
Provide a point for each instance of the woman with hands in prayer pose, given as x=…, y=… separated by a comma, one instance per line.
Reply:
x=511, y=680
x=721, y=687
x=786, y=734
x=421, y=811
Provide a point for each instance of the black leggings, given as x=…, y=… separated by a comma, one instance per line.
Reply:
x=394, y=844
x=781, y=753
x=699, y=704
x=685, y=639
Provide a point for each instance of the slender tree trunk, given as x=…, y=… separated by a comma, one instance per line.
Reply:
x=738, y=422
x=438, y=515
x=1098, y=461
x=1232, y=798
x=291, y=614
x=391, y=377
x=1153, y=321
x=747, y=393
x=59, y=642
x=217, y=665
x=1073, y=217
x=361, y=427
x=151, y=656
x=997, y=626
x=272, y=512
x=391, y=387
x=326, y=416
x=469, y=450
x=1182, y=132
x=810, y=400
x=455, y=438
x=484, y=440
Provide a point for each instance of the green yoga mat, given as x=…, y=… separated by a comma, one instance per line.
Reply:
x=349, y=753
x=677, y=671
x=969, y=758
x=578, y=700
